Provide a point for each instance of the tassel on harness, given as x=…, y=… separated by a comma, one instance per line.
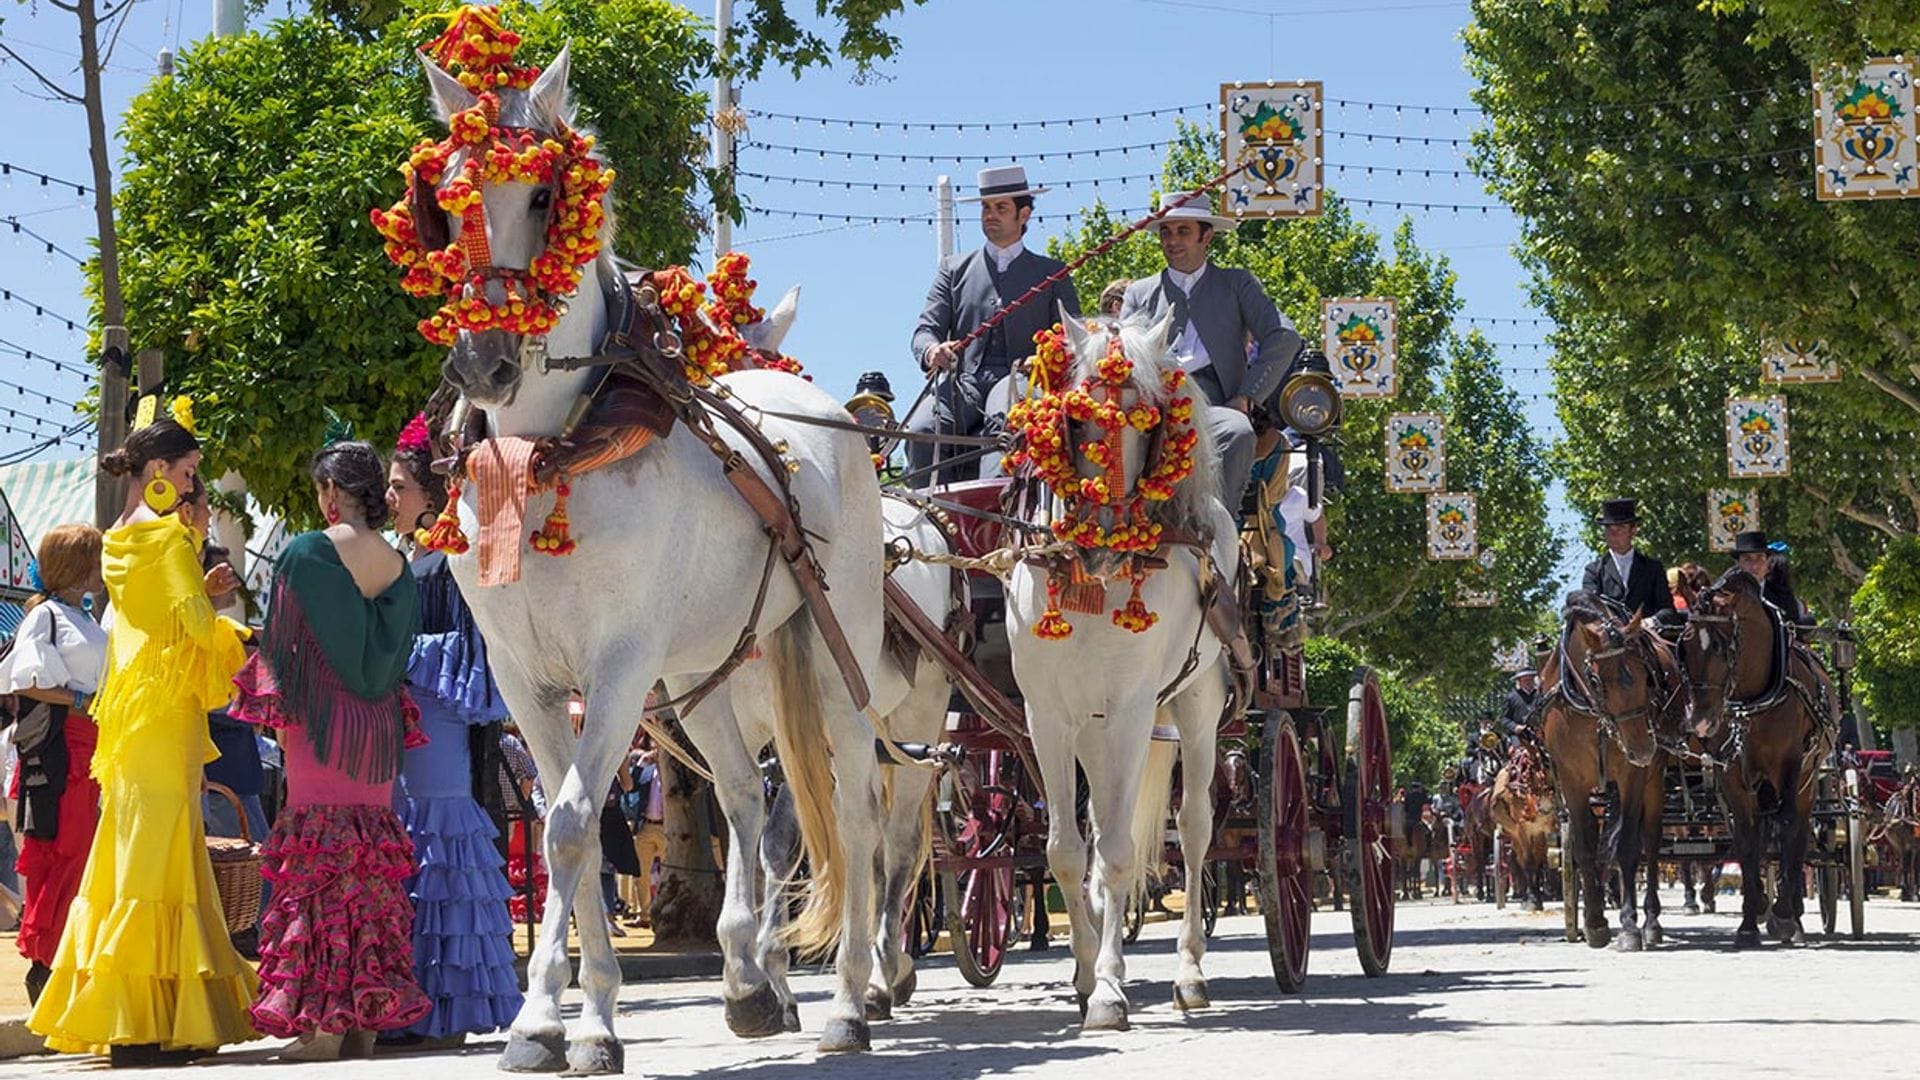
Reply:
x=445, y=534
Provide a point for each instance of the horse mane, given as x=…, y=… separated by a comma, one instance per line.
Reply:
x=516, y=110
x=1192, y=497
x=1586, y=606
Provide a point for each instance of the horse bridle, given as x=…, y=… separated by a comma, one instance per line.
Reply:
x=1738, y=716
x=1587, y=677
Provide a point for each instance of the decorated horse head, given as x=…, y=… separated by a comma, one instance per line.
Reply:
x=1727, y=649
x=1611, y=670
x=1109, y=428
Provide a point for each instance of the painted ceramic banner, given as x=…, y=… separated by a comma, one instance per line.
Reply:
x=1513, y=658
x=1730, y=511
x=1416, y=452
x=1273, y=129
x=1361, y=334
x=1756, y=437
x=1864, y=134
x=1453, y=530
x=1465, y=595
x=1798, y=362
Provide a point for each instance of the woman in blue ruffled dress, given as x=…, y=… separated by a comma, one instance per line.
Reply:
x=462, y=933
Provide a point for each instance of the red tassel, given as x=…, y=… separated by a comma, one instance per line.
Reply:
x=553, y=537
x=1052, y=626
x=445, y=535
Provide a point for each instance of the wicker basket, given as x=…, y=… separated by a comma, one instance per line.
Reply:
x=236, y=867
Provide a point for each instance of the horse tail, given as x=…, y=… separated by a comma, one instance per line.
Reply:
x=800, y=738
x=1149, y=825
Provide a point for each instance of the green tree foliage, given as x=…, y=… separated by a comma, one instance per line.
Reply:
x=1829, y=32
x=1660, y=157
x=1887, y=614
x=1424, y=743
x=1386, y=597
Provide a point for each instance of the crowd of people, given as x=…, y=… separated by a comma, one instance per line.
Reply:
x=356, y=736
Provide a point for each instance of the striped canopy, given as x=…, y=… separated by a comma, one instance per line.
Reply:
x=43, y=494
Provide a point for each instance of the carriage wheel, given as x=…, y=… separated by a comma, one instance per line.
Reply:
x=1209, y=898
x=1286, y=879
x=921, y=926
x=1826, y=883
x=1369, y=847
x=980, y=899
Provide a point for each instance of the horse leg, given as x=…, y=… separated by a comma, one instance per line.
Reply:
x=1744, y=822
x=1115, y=769
x=1586, y=859
x=781, y=850
x=1197, y=714
x=1626, y=857
x=1066, y=845
x=754, y=1007
x=1796, y=829
x=537, y=1040
x=920, y=718
x=856, y=805
x=1653, y=808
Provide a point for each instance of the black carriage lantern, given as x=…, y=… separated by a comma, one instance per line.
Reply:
x=872, y=406
x=1845, y=649
x=1311, y=406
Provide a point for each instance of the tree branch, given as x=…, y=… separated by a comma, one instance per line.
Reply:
x=1907, y=487
x=113, y=39
x=59, y=91
x=1847, y=510
x=1379, y=613
x=71, y=9
x=1899, y=393
x=1843, y=560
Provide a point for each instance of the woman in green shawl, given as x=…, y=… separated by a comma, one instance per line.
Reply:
x=336, y=956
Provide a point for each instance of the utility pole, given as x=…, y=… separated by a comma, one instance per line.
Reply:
x=943, y=230
x=109, y=492
x=229, y=17
x=723, y=124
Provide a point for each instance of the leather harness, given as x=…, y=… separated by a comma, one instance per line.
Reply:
x=643, y=386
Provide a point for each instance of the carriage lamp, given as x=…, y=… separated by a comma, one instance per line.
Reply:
x=1846, y=651
x=1310, y=402
x=873, y=411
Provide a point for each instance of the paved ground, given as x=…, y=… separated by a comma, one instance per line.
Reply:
x=1473, y=992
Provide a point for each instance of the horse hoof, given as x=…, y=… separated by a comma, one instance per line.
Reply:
x=1105, y=1016
x=790, y=1017
x=879, y=1004
x=1536, y=904
x=1599, y=937
x=755, y=1016
x=1746, y=937
x=1710, y=907
x=843, y=1036
x=1631, y=941
x=1691, y=908
x=1655, y=936
x=903, y=990
x=542, y=1053
x=1080, y=1002
x=1191, y=995
x=596, y=1057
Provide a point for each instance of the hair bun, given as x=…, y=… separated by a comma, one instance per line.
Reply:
x=117, y=462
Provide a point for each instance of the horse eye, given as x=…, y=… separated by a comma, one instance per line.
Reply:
x=542, y=199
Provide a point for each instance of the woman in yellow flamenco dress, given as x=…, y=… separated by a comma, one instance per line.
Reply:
x=145, y=972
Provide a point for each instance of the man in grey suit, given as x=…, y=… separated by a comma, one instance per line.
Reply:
x=969, y=290
x=1217, y=311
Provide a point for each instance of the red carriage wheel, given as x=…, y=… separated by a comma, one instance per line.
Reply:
x=978, y=889
x=1370, y=839
x=1286, y=876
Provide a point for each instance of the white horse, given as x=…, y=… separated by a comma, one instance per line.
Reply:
x=1092, y=698
x=668, y=563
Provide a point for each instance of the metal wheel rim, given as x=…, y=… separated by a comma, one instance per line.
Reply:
x=1370, y=845
x=1286, y=881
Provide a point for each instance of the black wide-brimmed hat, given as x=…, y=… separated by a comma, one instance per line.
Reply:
x=1620, y=512
x=875, y=383
x=1751, y=542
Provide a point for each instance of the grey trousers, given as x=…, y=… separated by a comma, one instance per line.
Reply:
x=1233, y=435
x=957, y=406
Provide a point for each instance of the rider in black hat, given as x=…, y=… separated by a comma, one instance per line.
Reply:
x=1757, y=557
x=1637, y=582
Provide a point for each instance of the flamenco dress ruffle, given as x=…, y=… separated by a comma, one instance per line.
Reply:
x=334, y=952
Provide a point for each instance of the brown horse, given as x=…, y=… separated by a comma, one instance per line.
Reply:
x=1527, y=811
x=1610, y=696
x=1479, y=868
x=1897, y=821
x=1769, y=715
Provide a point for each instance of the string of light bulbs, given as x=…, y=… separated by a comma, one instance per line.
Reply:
x=9, y=296
x=8, y=170
x=63, y=366
x=25, y=391
x=20, y=228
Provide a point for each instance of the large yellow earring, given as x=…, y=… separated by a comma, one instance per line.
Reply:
x=160, y=495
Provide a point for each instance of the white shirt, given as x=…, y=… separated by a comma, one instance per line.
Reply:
x=1003, y=256
x=1622, y=564
x=1190, y=351
x=49, y=653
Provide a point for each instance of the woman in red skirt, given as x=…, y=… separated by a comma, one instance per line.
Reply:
x=53, y=669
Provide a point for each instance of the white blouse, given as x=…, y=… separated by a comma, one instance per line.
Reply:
x=67, y=652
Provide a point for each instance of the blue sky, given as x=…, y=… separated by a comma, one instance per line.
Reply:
x=962, y=61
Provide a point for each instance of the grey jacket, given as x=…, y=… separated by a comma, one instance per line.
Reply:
x=1228, y=306
x=968, y=290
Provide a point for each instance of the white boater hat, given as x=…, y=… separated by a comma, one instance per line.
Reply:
x=1003, y=181
x=1198, y=208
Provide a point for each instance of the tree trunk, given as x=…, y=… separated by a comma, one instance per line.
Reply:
x=687, y=908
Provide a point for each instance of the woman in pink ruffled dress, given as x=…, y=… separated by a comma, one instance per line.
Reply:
x=336, y=951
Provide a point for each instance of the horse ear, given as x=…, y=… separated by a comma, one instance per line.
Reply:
x=1160, y=333
x=780, y=320
x=449, y=96
x=1076, y=332
x=547, y=98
